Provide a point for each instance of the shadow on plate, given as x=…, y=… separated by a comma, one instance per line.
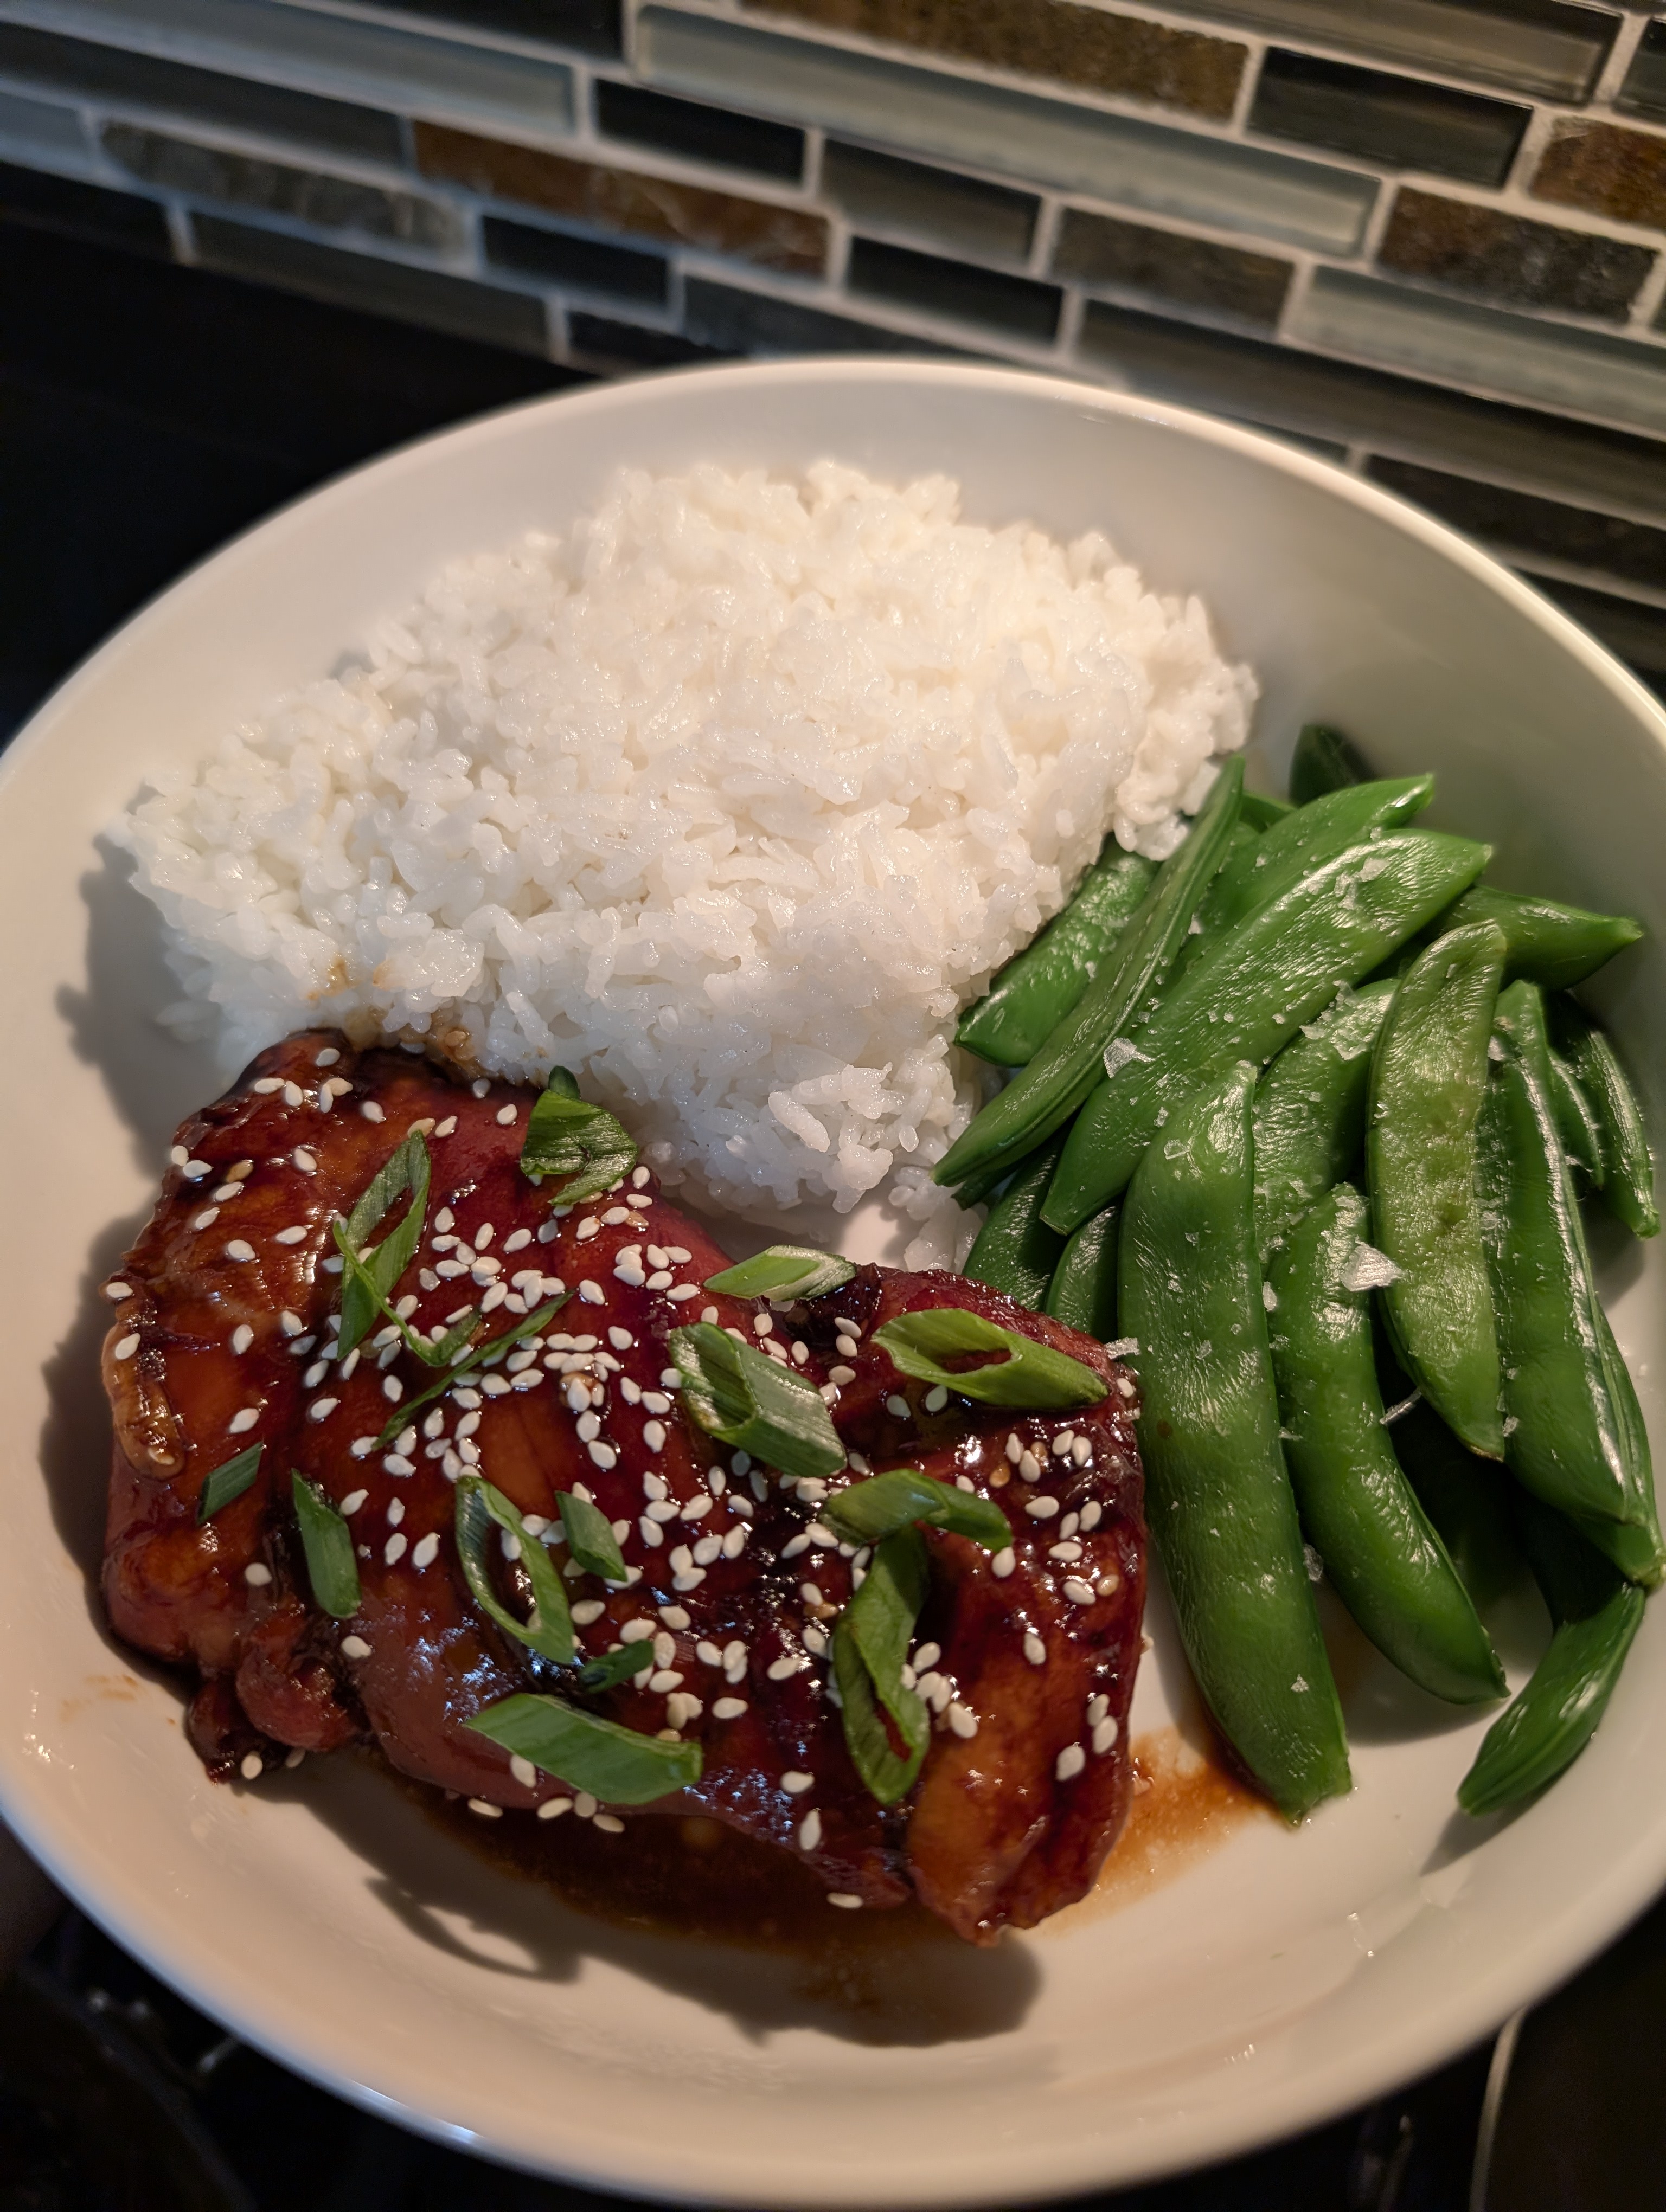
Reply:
x=896, y=1980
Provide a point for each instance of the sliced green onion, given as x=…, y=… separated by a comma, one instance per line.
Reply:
x=870, y=1510
x=754, y=1403
x=361, y=1285
x=614, y=1763
x=368, y=1284
x=590, y=1537
x=1032, y=1376
x=870, y=1648
x=613, y=1667
x=229, y=1480
x=787, y=1271
x=550, y=1631
x=568, y=1138
x=327, y=1542
x=484, y=1355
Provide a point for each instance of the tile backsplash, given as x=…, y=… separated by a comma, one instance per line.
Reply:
x=1427, y=237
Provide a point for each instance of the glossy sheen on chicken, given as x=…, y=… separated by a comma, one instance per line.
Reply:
x=222, y=1339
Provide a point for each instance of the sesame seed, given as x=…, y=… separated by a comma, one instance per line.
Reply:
x=355, y=1647
x=810, y=1830
x=680, y=1292
x=1013, y=1450
x=682, y=1707
x=128, y=1345
x=584, y=1805
x=781, y=1670
x=553, y=1807
x=795, y=1785
x=117, y=1292
x=898, y=1406
x=660, y=1280
x=393, y=1388
x=523, y=1771
x=446, y=1128
x=1079, y=1593
x=194, y=1170
x=321, y=1408
x=1034, y=1650
x=592, y=1293
x=1040, y=1508
x=265, y=1084
x=241, y=1422
x=206, y=1218
x=353, y=1500
x=1105, y=1732
x=609, y=1823
x=487, y=1811
x=292, y=1094
x=1028, y=1466
x=315, y=1375
x=327, y=1058
x=396, y=1511
x=505, y=1116
x=241, y=1338
x=963, y=1720
x=841, y=1375
x=602, y=1455
x=291, y=1323
x=297, y=1234
x=394, y=1549
x=844, y=1900
x=256, y=1575
x=1092, y=1513
x=729, y=1709
x=252, y=1767
x=1069, y=1551
x=240, y=1250
x=1069, y=1763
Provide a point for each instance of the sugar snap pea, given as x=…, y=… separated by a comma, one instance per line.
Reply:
x=1636, y=1547
x=1582, y=1139
x=1628, y=1175
x=1324, y=760
x=1382, y=1555
x=1565, y=1436
x=1549, y=944
x=1259, y=811
x=1310, y=1112
x=1047, y=1092
x=1039, y=986
x=1467, y=1497
x=1083, y=1290
x=1265, y=978
x=1222, y=1513
x=1428, y=1076
x=1595, y=1616
x=1015, y=1250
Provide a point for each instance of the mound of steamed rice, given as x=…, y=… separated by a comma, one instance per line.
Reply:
x=728, y=799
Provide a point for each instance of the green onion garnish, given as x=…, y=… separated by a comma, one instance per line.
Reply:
x=361, y=1286
x=229, y=1480
x=878, y=1507
x=1031, y=1376
x=754, y=1403
x=614, y=1667
x=587, y=1752
x=590, y=1537
x=464, y=1363
x=869, y=1647
x=567, y=1137
x=785, y=1272
x=550, y=1631
x=327, y=1542
x=367, y=1284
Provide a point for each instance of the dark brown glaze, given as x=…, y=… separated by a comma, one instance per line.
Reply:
x=1015, y=1808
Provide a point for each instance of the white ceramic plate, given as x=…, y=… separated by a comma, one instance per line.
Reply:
x=1271, y=1983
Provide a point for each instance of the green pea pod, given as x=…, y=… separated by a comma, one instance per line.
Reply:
x=1636, y=1547
x=1468, y=1499
x=1045, y=1094
x=1222, y=1513
x=1324, y=760
x=1548, y=1724
x=1016, y=1251
x=1244, y=1001
x=1563, y=1426
x=1259, y=811
x=1428, y=1076
x=1581, y=1140
x=1039, y=986
x=1384, y=1559
x=1214, y=907
x=1083, y=1290
x=1547, y=943
x=1310, y=1111
x=1629, y=1174
x=1261, y=869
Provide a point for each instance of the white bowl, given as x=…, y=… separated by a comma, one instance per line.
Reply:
x=1271, y=1983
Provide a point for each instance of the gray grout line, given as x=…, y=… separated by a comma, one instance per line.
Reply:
x=1622, y=54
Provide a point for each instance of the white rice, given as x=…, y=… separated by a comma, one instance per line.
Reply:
x=729, y=799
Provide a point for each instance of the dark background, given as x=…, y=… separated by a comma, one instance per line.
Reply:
x=148, y=412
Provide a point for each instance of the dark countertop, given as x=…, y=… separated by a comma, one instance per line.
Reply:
x=147, y=414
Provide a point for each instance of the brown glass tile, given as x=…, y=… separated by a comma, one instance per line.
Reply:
x=176, y=164
x=698, y=131
x=113, y=73
x=626, y=200
x=1018, y=305
x=1510, y=259
x=1631, y=552
x=1606, y=169
x=428, y=296
x=1190, y=271
x=1084, y=46
x=951, y=210
x=64, y=205
x=1402, y=122
x=592, y=26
